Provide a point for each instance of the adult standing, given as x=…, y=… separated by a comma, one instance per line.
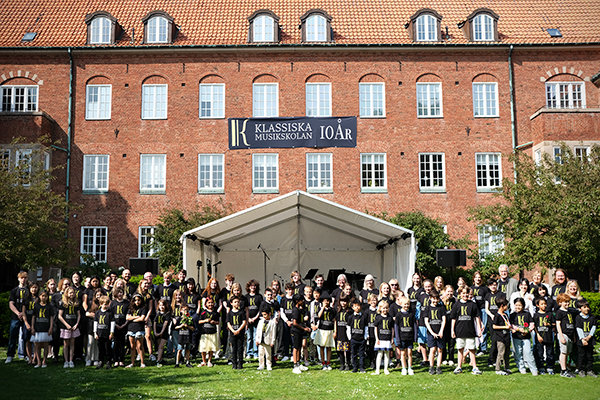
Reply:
x=367, y=290
x=319, y=284
x=560, y=282
x=480, y=291
x=336, y=293
x=16, y=301
x=130, y=287
x=506, y=284
x=537, y=281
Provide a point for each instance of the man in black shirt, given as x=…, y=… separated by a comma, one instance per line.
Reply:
x=130, y=287
x=15, y=303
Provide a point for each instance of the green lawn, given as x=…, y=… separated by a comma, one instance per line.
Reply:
x=20, y=381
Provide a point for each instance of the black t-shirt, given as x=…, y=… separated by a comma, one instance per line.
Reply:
x=79, y=292
x=335, y=294
x=405, y=321
x=327, y=319
x=103, y=318
x=544, y=321
x=413, y=296
x=491, y=299
x=242, y=303
x=225, y=294
x=30, y=303
x=567, y=322
x=298, y=315
x=586, y=325
x=465, y=314
x=184, y=332
x=501, y=335
x=371, y=316
x=43, y=315
x=130, y=289
x=192, y=300
x=162, y=292
x=341, y=320
x=365, y=294
x=208, y=327
x=558, y=289
x=55, y=299
x=18, y=296
x=299, y=289
x=521, y=320
x=503, y=285
x=357, y=323
x=70, y=314
x=287, y=305
x=90, y=295
x=119, y=310
x=384, y=326
x=423, y=299
x=236, y=319
x=479, y=295
x=137, y=326
x=159, y=324
x=214, y=296
x=253, y=302
x=271, y=307
x=435, y=314
x=394, y=309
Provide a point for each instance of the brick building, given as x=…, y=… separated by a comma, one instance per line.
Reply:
x=141, y=94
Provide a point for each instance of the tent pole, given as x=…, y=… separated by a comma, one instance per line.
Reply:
x=298, y=242
x=381, y=260
x=395, y=262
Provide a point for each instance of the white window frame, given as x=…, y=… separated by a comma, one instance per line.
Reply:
x=538, y=157
x=100, y=31
x=101, y=107
x=372, y=166
x=563, y=95
x=485, y=99
x=429, y=177
x=426, y=95
x=488, y=171
x=25, y=156
x=256, y=165
x=29, y=97
x=46, y=161
x=96, y=234
x=483, y=28
x=370, y=106
x=322, y=92
x=582, y=153
x=316, y=28
x=143, y=240
x=153, y=181
x=151, y=101
x=263, y=29
x=260, y=106
x=557, y=154
x=215, y=173
x=96, y=173
x=490, y=240
x=426, y=28
x=212, y=100
x=319, y=179
x=157, y=30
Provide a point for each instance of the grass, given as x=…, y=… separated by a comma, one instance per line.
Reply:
x=21, y=381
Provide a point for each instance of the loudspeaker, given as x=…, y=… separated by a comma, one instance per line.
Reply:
x=451, y=258
x=139, y=266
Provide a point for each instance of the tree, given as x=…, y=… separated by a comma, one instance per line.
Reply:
x=172, y=223
x=550, y=217
x=32, y=217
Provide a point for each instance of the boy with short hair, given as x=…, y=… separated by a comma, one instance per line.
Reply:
x=501, y=337
x=287, y=306
x=544, y=337
x=236, y=325
x=491, y=309
x=465, y=322
x=585, y=323
x=435, y=321
x=405, y=334
x=266, y=331
x=565, y=326
x=16, y=301
x=299, y=329
x=357, y=323
x=104, y=330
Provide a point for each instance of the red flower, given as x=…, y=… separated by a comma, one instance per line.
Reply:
x=526, y=325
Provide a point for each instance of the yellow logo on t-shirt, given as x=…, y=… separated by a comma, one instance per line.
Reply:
x=463, y=310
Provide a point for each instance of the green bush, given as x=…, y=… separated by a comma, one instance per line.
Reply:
x=5, y=316
x=137, y=279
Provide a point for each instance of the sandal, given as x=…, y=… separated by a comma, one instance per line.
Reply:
x=142, y=365
x=129, y=366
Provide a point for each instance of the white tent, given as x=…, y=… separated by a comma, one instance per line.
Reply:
x=299, y=231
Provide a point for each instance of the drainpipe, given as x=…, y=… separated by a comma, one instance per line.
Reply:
x=513, y=123
x=69, y=132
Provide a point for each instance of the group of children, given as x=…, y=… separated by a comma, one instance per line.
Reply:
x=378, y=324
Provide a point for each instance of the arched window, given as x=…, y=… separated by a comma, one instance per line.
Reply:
x=263, y=29
x=483, y=28
x=100, y=31
x=316, y=27
x=426, y=28
x=158, y=28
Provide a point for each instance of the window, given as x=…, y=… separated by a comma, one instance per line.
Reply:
x=316, y=29
x=210, y=173
x=485, y=99
x=5, y=159
x=158, y=28
x=212, y=100
x=429, y=100
x=98, y=102
x=100, y=31
x=318, y=99
x=263, y=30
x=372, y=100
x=93, y=241
x=153, y=173
x=582, y=153
x=265, y=100
x=426, y=28
x=490, y=240
x=538, y=158
x=145, y=237
x=558, y=159
x=431, y=170
x=23, y=162
x=265, y=173
x=95, y=173
x=373, y=176
x=489, y=175
x=565, y=95
x=19, y=98
x=318, y=173
x=483, y=28
x=154, y=99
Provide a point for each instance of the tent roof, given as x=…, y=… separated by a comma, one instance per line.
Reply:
x=289, y=206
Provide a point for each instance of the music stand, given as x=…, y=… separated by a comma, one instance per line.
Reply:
x=310, y=274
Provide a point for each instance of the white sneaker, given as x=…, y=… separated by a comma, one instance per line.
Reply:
x=71, y=364
x=26, y=359
x=451, y=363
x=88, y=363
x=66, y=364
x=375, y=373
x=8, y=360
x=296, y=370
x=386, y=372
x=286, y=358
x=260, y=368
x=302, y=367
x=445, y=362
x=404, y=371
x=410, y=371
x=152, y=357
x=329, y=367
x=138, y=358
x=269, y=369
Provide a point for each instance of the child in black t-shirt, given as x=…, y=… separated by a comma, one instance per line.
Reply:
x=435, y=321
x=209, y=319
x=299, y=329
x=182, y=331
x=253, y=300
x=236, y=324
x=448, y=301
x=405, y=336
x=357, y=323
x=384, y=334
x=28, y=311
x=544, y=337
x=119, y=308
x=501, y=337
x=565, y=326
x=371, y=314
x=69, y=316
x=521, y=326
x=287, y=305
x=340, y=334
x=466, y=325
x=324, y=334
x=104, y=332
x=136, y=316
x=41, y=328
x=161, y=324
x=585, y=324
x=491, y=309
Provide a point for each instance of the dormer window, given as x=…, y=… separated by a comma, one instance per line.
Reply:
x=264, y=27
x=424, y=26
x=316, y=26
x=158, y=27
x=102, y=28
x=481, y=26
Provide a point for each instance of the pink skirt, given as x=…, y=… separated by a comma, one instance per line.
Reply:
x=69, y=334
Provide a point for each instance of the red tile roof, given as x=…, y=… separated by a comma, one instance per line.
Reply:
x=61, y=23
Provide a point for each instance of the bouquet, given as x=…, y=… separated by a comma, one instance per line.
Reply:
x=187, y=320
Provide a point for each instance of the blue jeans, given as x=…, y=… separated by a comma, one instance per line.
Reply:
x=484, y=334
x=524, y=352
x=13, y=337
x=251, y=349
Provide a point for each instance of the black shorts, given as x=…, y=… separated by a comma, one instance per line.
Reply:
x=433, y=342
x=297, y=337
